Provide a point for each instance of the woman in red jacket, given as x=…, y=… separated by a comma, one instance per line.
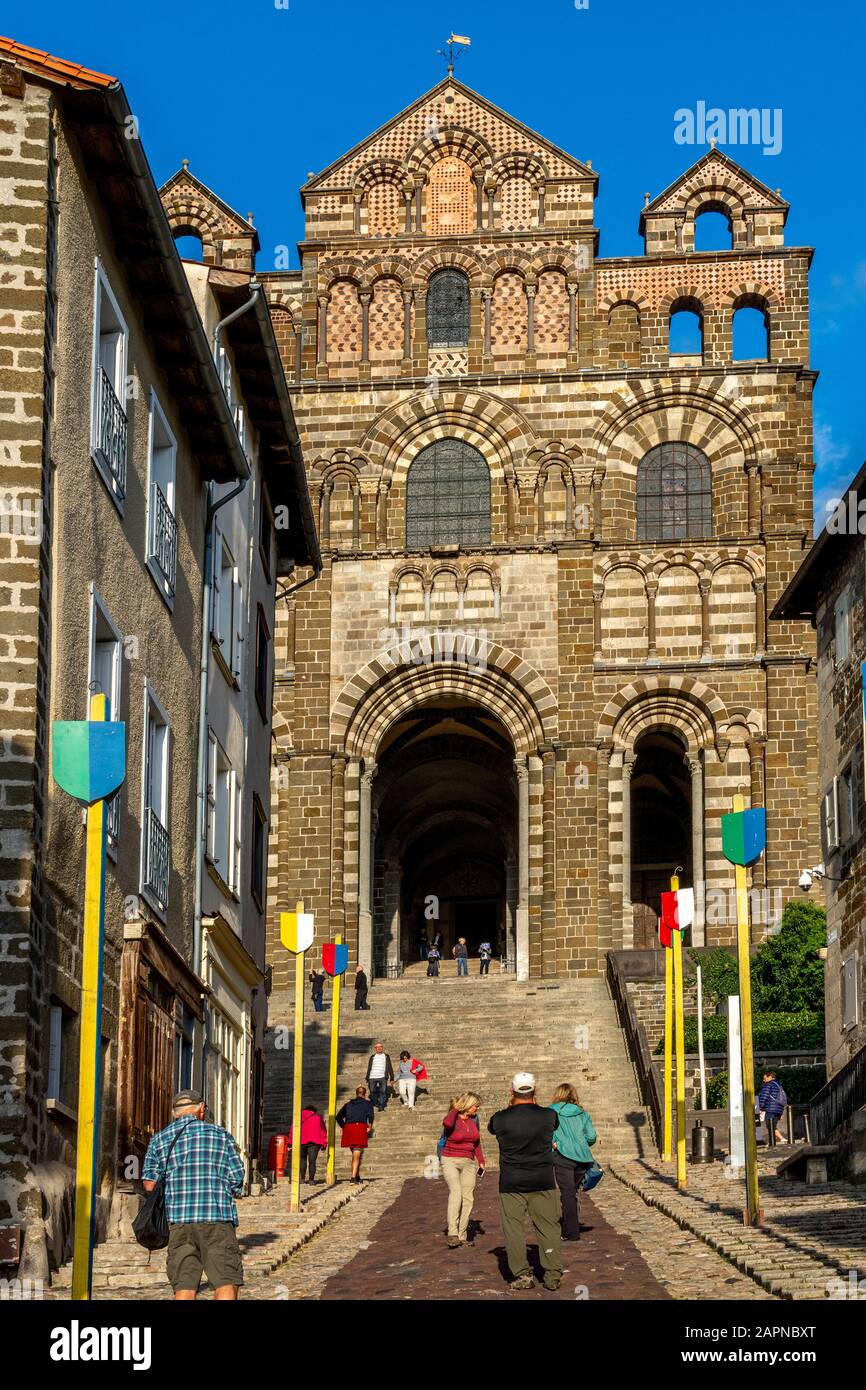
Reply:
x=462, y=1162
x=314, y=1138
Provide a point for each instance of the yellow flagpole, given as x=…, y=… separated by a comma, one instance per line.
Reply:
x=300, y=961
x=682, y=1180
x=332, y=1073
x=667, y=1142
x=752, y=1216
x=90, y=1041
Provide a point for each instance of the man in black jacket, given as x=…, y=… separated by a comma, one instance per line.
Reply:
x=524, y=1132
x=361, y=988
x=379, y=1073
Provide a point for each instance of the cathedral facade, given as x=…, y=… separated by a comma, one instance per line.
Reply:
x=536, y=668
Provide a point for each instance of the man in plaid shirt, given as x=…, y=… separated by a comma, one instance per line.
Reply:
x=203, y=1172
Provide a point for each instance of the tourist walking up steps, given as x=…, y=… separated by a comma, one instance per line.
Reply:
x=408, y=1071
x=572, y=1141
x=380, y=1072
x=771, y=1107
x=527, y=1186
x=356, y=1125
x=461, y=955
x=314, y=1138
x=203, y=1173
x=317, y=985
x=485, y=955
x=462, y=1163
x=361, y=988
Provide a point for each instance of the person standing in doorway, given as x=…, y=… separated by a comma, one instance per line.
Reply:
x=380, y=1073
x=356, y=1125
x=461, y=955
x=361, y=988
x=462, y=1163
x=485, y=955
x=527, y=1186
x=572, y=1143
x=317, y=985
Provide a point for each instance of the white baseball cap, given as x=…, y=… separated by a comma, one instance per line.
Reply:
x=523, y=1083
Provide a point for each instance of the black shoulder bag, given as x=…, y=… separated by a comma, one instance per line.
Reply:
x=150, y=1226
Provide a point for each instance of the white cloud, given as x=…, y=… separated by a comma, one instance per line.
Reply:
x=832, y=470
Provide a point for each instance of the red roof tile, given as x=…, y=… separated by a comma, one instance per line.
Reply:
x=38, y=61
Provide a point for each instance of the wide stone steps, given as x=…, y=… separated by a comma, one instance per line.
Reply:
x=472, y=1035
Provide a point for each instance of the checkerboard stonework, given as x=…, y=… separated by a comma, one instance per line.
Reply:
x=629, y=686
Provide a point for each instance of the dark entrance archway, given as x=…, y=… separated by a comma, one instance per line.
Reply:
x=445, y=834
x=661, y=827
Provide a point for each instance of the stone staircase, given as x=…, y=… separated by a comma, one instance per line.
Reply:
x=472, y=1034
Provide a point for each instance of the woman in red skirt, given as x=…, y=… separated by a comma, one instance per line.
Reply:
x=356, y=1122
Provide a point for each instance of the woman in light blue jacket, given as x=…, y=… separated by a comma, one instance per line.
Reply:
x=572, y=1155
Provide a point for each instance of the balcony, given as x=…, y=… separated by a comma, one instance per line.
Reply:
x=112, y=822
x=162, y=549
x=111, y=434
x=157, y=859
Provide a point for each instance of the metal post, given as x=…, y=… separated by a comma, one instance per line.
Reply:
x=90, y=1044
x=677, y=943
x=752, y=1216
x=667, y=1142
x=332, y=1073
x=701, y=1063
x=298, y=1080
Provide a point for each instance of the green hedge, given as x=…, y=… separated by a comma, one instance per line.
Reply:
x=800, y=1084
x=788, y=1032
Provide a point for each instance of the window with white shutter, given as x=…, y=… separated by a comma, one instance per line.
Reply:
x=850, y=1002
x=830, y=819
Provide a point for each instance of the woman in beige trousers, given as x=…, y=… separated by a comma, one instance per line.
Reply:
x=462, y=1163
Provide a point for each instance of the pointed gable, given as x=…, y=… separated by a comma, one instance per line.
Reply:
x=194, y=209
x=449, y=114
x=715, y=182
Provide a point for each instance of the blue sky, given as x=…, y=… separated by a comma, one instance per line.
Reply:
x=257, y=94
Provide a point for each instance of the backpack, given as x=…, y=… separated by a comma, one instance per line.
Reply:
x=150, y=1226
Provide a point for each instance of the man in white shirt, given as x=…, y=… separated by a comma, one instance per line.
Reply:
x=379, y=1073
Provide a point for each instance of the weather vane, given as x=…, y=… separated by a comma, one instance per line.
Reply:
x=453, y=39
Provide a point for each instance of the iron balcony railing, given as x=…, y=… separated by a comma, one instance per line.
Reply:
x=157, y=858
x=111, y=433
x=163, y=536
x=837, y=1101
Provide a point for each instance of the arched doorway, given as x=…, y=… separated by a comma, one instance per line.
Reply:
x=661, y=827
x=445, y=834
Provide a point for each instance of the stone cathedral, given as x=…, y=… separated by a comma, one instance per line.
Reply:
x=537, y=667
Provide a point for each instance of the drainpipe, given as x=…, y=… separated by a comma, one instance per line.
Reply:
x=204, y=684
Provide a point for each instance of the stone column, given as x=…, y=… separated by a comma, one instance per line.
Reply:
x=627, y=918
x=697, y=774
x=356, y=516
x=530, y=320
x=652, y=589
x=322, y=345
x=548, y=824
x=597, y=597
x=511, y=891
x=539, y=506
x=407, y=199
x=753, y=478
x=572, y=318
x=510, y=508
x=487, y=302
x=521, y=767
x=299, y=351
x=382, y=511
x=479, y=202
x=760, y=588
x=704, y=586
x=605, y=941
x=408, y=298
x=365, y=296
x=596, y=486
x=365, y=858
x=541, y=206
x=327, y=489
x=359, y=198
x=338, y=841
x=418, y=211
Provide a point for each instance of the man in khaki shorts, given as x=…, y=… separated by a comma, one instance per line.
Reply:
x=203, y=1173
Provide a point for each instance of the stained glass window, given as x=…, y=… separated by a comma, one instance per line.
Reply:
x=448, y=497
x=448, y=309
x=674, y=494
